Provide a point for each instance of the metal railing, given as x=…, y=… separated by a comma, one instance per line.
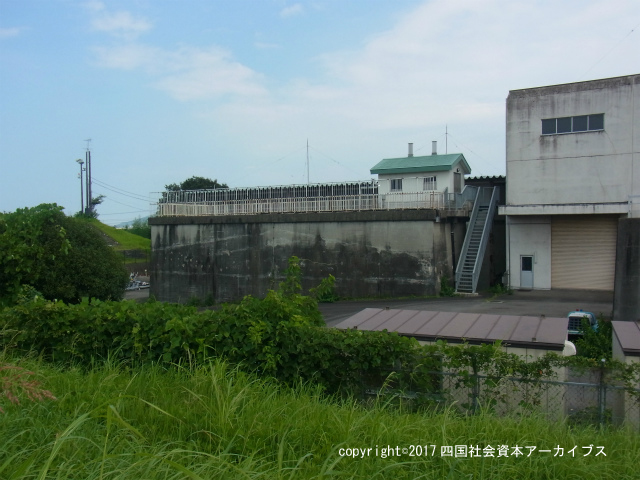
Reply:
x=467, y=238
x=340, y=203
x=486, y=231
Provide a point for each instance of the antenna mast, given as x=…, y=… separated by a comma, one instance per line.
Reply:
x=307, y=161
x=446, y=139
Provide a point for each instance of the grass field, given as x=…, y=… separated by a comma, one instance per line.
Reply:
x=214, y=422
x=126, y=240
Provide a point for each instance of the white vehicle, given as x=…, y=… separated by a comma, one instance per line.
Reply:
x=137, y=285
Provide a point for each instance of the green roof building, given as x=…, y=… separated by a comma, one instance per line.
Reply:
x=418, y=174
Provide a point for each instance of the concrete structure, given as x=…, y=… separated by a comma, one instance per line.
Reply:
x=626, y=349
x=436, y=173
x=573, y=169
x=526, y=336
x=370, y=253
x=626, y=299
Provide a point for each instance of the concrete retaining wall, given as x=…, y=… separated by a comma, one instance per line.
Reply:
x=375, y=253
x=626, y=301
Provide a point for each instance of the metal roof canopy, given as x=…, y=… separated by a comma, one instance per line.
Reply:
x=427, y=163
x=628, y=334
x=544, y=333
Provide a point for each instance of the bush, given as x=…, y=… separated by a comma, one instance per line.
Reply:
x=61, y=257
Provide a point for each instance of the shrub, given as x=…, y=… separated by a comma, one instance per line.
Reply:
x=61, y=257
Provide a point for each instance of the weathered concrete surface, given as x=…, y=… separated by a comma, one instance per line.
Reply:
x=389, y=253
x=626, y=303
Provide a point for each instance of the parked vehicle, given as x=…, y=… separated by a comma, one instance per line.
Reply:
x=575, y=321
x=137, y=285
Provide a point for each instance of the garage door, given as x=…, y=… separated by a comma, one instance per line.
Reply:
x=583, y=251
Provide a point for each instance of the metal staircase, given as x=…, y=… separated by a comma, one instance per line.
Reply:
x=476, y=239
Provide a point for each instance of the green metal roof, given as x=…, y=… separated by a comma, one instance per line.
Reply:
x=428, y=163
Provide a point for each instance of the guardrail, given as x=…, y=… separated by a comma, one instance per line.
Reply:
x=345, y=203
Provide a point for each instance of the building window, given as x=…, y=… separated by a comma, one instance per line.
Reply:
x=396, y=184
x=429, y=183
x=580, y=123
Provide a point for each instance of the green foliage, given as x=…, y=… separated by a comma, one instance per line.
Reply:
x=446, y=290
x=124, y=239
x=195, y=183
x=140, y=227
x=292, y=283
x=32, y=241
x=595, y=343
x=90, y=211
x=61, y=257
x=500, y=289
x=213, y=421
x=325, y=292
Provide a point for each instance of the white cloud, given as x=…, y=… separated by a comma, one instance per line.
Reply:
x=207, y=73
x=447, y=62
x=120, y=24
x=295, y=9
x=9, y=32
x=187, y=73
x=266, y=46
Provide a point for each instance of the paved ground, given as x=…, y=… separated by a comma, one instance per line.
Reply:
x=552, y=303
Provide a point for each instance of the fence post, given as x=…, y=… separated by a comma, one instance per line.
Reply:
x=602, y=394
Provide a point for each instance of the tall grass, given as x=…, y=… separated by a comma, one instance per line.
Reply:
x=215, y=422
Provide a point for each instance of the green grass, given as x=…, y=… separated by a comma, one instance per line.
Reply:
x=215, y=422
x=126, y=240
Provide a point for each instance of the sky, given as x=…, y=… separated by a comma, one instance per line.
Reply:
x=236, y=90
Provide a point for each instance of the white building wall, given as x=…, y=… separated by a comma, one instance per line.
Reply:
x=412, y=182
x=529, y=236
x=574, y=168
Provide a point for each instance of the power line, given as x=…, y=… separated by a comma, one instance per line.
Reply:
x=333, y=160
x=122, y=213
x=611, y=50
x=120, y=203
x=135, y=197
x=119, y=190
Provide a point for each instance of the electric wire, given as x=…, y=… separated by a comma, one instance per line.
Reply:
x=611, y=50
x=112, y=189
x=107, y=197
x=118, y=189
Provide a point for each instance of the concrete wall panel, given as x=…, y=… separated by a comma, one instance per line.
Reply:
x=390, y=254
x=626, y=302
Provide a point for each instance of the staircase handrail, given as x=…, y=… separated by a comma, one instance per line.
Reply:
x=486, y=231
x=467, y=238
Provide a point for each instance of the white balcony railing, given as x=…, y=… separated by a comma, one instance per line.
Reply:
x=346, y=203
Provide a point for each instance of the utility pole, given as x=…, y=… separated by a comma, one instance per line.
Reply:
x=81, y=163
x=89, y=209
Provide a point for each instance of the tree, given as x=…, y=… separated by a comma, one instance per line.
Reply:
x=196, y=183
x=61, y=257
x=30, y=241
x=140, y=227
x=90, y=211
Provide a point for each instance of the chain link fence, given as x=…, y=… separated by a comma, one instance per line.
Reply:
x=582, y=398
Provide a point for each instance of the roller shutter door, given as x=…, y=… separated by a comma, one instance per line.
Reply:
x=583, y=251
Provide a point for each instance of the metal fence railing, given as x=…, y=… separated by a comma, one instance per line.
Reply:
x=342, y=203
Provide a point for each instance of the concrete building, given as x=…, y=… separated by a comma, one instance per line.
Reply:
x=573, y=170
